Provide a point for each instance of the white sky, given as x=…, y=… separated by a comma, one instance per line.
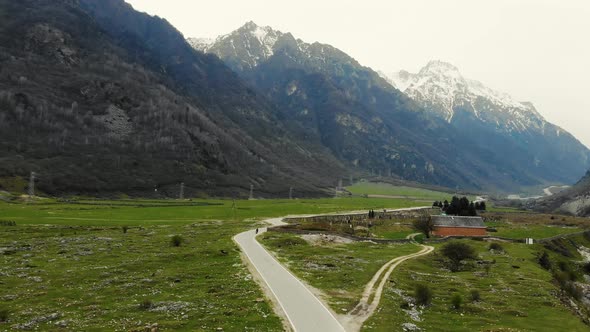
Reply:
x=535, y=50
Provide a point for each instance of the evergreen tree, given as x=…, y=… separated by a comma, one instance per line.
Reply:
x=471, y=211
x=445, y=205
x=482, y=206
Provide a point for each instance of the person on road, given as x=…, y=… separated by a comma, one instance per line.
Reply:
x=256, y=230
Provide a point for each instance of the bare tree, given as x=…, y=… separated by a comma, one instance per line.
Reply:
x=424, y=225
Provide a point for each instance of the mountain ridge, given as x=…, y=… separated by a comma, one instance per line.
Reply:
x=408, y=122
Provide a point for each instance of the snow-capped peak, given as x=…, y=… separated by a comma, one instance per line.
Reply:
x=440, y=87
x=437, y=67
x=201, y=44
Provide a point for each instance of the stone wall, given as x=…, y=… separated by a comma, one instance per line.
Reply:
x=344, y=218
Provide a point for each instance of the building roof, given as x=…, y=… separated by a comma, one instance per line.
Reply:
x=458, y=221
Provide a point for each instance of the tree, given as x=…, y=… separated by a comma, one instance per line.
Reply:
x=482, y=206
x=424, y=225
x=457, y=252
x=435, y=204
x=445, y=205
x=471, y=211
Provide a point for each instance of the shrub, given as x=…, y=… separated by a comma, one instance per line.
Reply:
x=586, y=267
x=423, y=295
x=456, y=301
x=176, y=240
x=457, y=252
x=475, y=296
x=496, y=247
x=405, y=305
x=146, y=304
x=125, y=229
x=3, y=315
x=545, y=261
x=573, y=290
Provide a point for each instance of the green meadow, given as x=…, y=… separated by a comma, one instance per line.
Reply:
x=91, y=265
x=386, y=189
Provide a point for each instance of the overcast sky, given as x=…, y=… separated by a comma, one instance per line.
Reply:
x=535, y=50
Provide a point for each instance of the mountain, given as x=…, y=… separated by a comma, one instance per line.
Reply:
x=98, y=98
x=326, y=97
x=496, y=120
x=574, y=200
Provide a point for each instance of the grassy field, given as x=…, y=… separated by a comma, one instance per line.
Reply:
x=537, y=226
x=95, y=278
x=516, y=295
x=341, y=270
x=172, y=212
x=71, y=265
x=386, y=189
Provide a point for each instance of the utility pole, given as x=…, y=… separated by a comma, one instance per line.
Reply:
x=291, y=193
x=32, y=185
x=340, y=184
x=351, y=180
x=336, y=192
x=181, y=195
x=251, y=192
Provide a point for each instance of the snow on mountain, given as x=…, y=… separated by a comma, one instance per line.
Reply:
x=201, y=44
x=441, y=88
x=250, y=45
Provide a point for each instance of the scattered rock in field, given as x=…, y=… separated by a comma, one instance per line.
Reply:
x=414, y=313
x=35, y=279
x=62, y=323
x=36, y=321
x=7, y=251
x=585, y=253
x=410, y=327
x=320, y=239
x=170, y=306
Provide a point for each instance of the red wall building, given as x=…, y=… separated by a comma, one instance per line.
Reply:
x=458, y=226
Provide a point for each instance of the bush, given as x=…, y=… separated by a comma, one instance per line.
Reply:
x=573, y=290
x=496, y=247
x=423, y=295
x=3, y=315
x=545, y=261
x=146, y=304
x=456, y=301
x=475, y=296
x=457, y=252
x=586, y=268
x=176, y=240
x=124, y=229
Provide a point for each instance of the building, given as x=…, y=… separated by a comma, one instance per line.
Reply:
x=458, y=226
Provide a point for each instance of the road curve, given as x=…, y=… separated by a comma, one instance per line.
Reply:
x=305, y=312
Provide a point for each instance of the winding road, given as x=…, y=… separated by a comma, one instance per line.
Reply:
x=304, y=310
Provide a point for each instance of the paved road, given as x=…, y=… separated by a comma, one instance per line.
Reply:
x=305, y=312
x=303, y=309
